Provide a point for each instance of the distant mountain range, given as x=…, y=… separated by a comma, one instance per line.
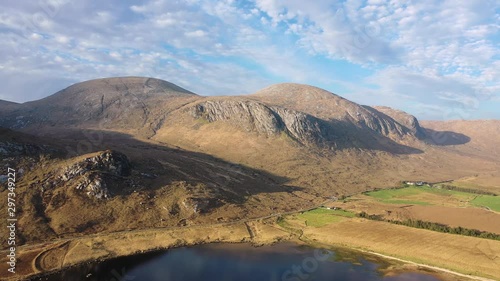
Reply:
x=137, y=152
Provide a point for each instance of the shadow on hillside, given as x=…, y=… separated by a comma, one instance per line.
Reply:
x=347, y=136
x=156, y=166
x=444, y=138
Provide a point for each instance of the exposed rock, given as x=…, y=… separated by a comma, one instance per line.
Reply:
x=200, y=205
x=109, y=161
x=330, y=107
x=95, y=187
x=250, y=115
x=89, y=174
x=407, y=120
x=305, y=128
x=270, y=121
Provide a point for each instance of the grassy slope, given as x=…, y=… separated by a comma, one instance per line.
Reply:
x=492, y=202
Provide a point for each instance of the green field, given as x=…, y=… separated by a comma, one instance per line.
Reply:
x=426, y=195
x=321, y=216
x=492, y=202
x=409, y=195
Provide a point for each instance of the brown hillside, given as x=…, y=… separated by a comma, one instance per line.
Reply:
x=328, y=106
x=193, y=159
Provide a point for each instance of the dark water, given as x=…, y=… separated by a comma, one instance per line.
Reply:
x=284, y=262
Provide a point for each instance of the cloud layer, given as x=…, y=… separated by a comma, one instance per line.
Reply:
x=435, y=59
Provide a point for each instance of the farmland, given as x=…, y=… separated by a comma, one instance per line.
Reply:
x=467, y=255
x=441, y=206
x=322, y=217
x=453, y=208
x=435, y=196
x=459, y=253
x=491, y=202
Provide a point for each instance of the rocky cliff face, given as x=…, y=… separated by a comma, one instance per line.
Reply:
x=140, y=106
x=328, y=106
x=90, y=174
x=409, y=121
x=263, y=119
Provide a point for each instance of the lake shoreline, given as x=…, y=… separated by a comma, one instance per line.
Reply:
x=74, y=252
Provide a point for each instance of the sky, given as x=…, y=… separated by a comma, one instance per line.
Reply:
x=437, y=60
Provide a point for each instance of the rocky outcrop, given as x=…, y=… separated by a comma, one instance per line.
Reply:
x=254, y=116
x=305, y=128
x=111, y=162
x=382, y=124
x=409, y=121
x=330, y=107
x=90, y=174
x=201, y=205
x=249, y=115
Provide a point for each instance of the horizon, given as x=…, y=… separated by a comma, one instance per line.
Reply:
x=435, y=60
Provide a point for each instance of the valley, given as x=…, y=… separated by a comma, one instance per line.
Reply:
x=144, y=161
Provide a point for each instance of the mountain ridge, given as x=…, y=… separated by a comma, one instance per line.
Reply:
x=143, y=104
x=329, y=106
x=188, y=159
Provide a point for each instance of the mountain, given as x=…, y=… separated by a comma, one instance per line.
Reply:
x=408, y=121
x=328, y=106
x=134, y=185
x=5, y=103
x=135, y=152
x=125, y=103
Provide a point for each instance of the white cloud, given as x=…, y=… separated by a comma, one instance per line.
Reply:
x=196, y=33
x=423, y=54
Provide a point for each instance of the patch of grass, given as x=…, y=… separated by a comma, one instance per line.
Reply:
x=492, y=202
x=424, y=195
x=409, y=202
x=321, y=216
x=281, y=221
x=392, y=193
x=343, y=213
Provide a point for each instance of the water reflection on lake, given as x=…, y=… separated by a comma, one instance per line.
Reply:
x=223, y=262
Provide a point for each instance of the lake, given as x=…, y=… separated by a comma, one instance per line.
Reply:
x=241, y=262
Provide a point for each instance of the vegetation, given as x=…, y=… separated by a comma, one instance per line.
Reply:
x=467, y=190
x=491, y=202
x=370, y=217
x=281, y=221
x=426, y=195
x=322, y=216
x=435, y=227
x=398, y=195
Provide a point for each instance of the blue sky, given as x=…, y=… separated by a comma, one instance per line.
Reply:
x=434, y=59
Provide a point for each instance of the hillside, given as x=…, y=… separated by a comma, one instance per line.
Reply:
x=138, y=152
x=128, y=103
x=135, y=185
x=331, y=107
x=4, y=103
x=471, y=139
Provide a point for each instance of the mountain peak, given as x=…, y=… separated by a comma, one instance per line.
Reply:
x=122, y=85
x=295, y=91
x=122, y=102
